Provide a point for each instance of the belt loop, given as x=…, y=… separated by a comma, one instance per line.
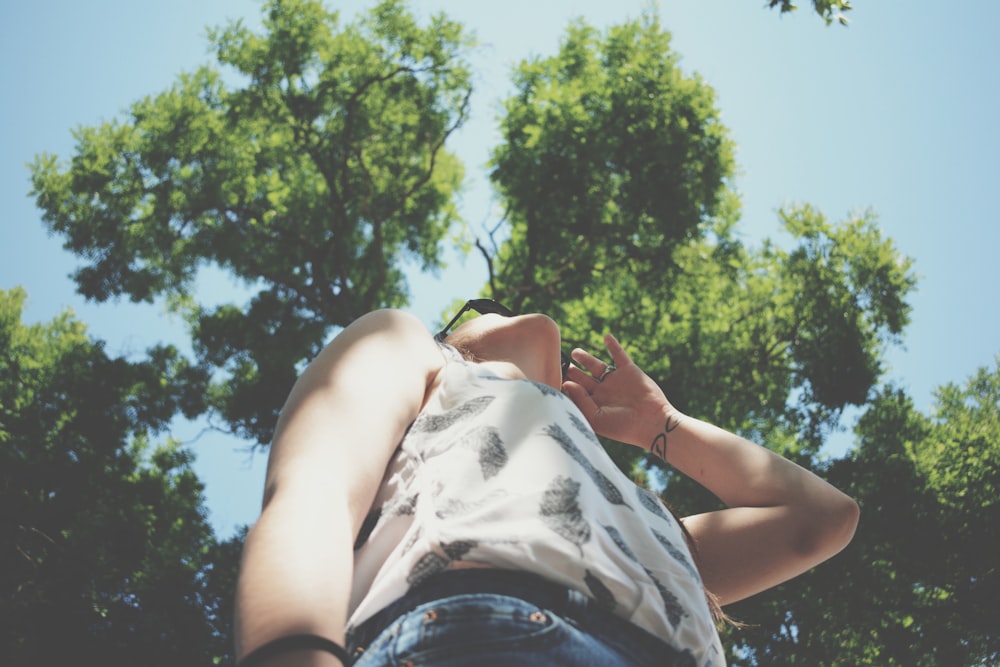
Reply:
x=575, y=600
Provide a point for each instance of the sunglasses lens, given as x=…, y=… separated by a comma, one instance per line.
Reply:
x=481, y=306
x=490, y=307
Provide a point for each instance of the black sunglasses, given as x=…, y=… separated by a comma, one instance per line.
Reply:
x=488, y=307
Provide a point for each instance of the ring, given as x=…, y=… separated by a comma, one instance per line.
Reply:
x=608, y=370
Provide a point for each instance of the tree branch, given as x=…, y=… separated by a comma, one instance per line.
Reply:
x=489, y=267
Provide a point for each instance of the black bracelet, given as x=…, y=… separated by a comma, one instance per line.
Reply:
x=295, y=643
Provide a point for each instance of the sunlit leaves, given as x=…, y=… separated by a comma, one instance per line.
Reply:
x=614, y=172
x=850, y=302
x=830, y=10
x=960, y=458
x=310, y=169
x=611, y=156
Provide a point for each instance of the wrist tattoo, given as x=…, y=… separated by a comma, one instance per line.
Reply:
x=659, y=446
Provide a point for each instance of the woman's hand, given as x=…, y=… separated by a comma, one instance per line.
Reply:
x=626, y=405
x=782, y=519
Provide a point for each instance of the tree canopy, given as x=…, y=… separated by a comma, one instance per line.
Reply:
x=314, y=166
x=108, y=557
x=918, y=584
x=313, y=179
x=614, y=174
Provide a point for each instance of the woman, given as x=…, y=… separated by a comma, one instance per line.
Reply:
x=448, y=504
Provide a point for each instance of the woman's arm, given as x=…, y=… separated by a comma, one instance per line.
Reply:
x=341, y=423
x=782, y=519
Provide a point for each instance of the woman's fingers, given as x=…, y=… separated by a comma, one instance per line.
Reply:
x=618, y=354
x=598, y=367
x=581, y=377
x=586, y=360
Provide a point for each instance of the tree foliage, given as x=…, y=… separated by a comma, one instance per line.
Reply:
x=614, y=174
x=830, y=10
x=315, y=171
x=610, y=157
x=773, y=342
x=919, y=583
x=313, y=179
x=107, y=556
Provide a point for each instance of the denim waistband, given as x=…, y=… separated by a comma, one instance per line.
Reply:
x=568, y=603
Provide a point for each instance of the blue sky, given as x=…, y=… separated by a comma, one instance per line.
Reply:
x=897, y=113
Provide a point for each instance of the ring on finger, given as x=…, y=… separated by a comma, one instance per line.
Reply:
x=608, y=370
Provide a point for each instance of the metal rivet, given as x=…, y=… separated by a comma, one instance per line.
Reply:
x=431, y=615
x=537, y=617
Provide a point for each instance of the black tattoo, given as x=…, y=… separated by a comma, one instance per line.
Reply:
x=659, y=446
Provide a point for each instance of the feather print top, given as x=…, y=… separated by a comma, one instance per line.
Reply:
x=508, y=473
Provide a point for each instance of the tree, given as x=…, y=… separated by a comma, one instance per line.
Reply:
x=794, y=335
x=325, y=168
x=107, y=557
x=614, y=175
x=313, y=180
x=773, y=342
x=610, y=158
x=918, y=584
x=959, y=464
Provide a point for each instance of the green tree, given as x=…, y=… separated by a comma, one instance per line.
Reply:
x=314, y=179
x=107, y=557
x=614, y=174
x=773, y=342
x=323, y=169
x=795, y=335
x=610, y=158
x=919, y=583
x=959, y=463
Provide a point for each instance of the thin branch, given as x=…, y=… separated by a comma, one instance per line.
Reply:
x=489, y=267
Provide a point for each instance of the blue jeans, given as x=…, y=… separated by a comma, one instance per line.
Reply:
x=499, y=618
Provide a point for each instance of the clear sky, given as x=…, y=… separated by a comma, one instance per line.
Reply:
x=897, y=113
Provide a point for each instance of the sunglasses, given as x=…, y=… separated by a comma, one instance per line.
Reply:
x=490, y=307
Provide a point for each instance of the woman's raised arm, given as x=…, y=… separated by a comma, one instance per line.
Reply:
x=781, y=519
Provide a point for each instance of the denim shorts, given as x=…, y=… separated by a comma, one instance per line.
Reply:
x=494, y=618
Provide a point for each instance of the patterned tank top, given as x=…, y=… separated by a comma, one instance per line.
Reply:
x=509, y=474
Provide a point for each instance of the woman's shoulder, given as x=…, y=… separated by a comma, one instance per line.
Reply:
x=399, y=333
x=393, y=323
x=392, y=318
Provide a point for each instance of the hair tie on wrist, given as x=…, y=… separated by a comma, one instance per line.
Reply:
x=295, y=643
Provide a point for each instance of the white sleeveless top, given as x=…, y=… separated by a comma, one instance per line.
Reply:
x=508, y=473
